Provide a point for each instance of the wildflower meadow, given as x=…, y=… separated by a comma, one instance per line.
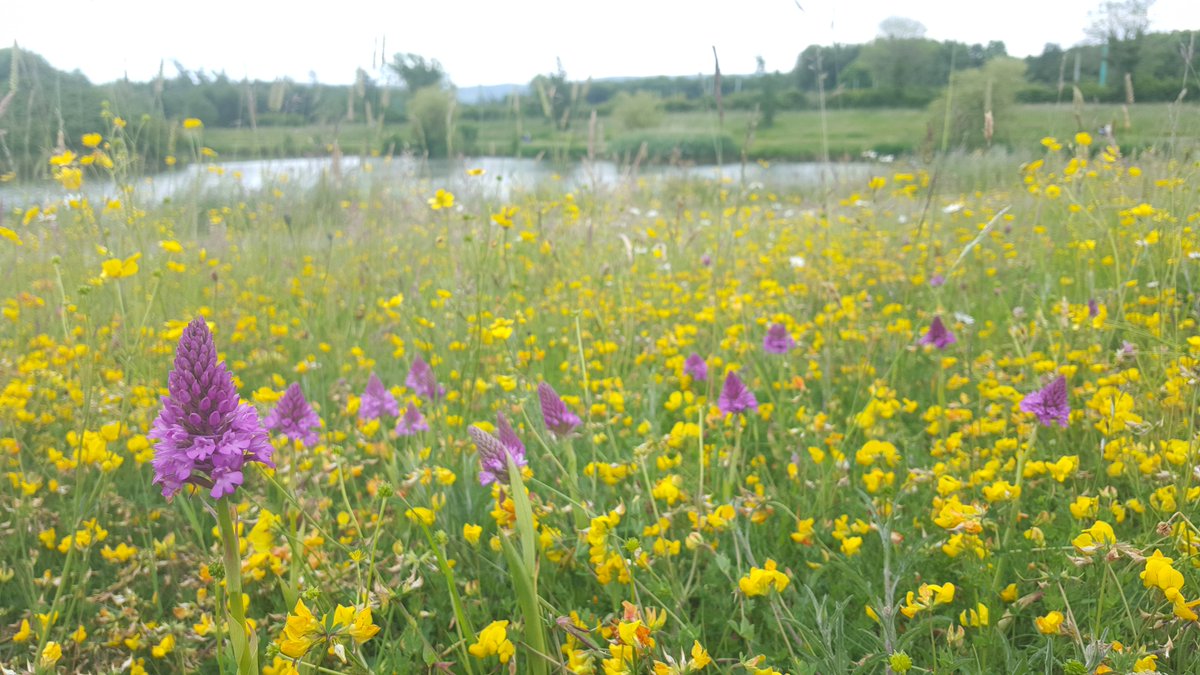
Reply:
x=903, y=423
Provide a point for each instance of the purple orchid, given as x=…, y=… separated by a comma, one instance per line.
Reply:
x=1050, y=403
x=422, y=380
x=376, y=401
x=204, y=434
x=736, y=397
x=558, y=418
x=778, y=340
x=493, y=456
x=938, y=335
x=696, y=367
x=294, y=417
x=411, y=421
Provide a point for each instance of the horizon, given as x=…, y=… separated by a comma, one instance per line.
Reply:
x=775, y=30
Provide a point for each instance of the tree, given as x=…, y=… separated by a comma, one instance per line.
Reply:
x=977, y=92
x=901, y=28
x=1120, y=25
x=417, y=72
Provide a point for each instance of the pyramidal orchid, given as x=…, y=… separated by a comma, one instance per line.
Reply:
x=735, y=397
x=376, y=401
x=778, y=340
x=558, y=418
x=494, y=454
x=294, y=417
x=696, y=367
x=422, y=380
x=1050, y=403
x=411, y=421
x=938, y=335
x=204, y=434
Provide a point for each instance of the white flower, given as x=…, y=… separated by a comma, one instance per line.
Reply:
x=797, y=261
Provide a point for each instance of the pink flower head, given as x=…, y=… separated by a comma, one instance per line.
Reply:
x=294, y=417
x=422, y=380
x=1050, y=403
x=696, y=367
x=204, y=434
x=735, y=397
x=938, y=335
x=778, y=340
x=493, y=456
x=558, y=418
x=376, y=401
x=411, y=421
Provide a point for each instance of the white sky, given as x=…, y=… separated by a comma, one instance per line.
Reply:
x=498, y=41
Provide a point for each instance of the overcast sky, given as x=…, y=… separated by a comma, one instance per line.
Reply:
x=496, y=41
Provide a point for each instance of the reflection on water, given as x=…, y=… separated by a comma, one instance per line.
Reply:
x=502, y=176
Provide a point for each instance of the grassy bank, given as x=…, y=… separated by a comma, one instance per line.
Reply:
x=795, y=135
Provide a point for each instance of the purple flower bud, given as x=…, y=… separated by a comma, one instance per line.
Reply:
x=422, y=380
x=411, y=421
x=204, y=435
x=778, y=340
x=294, y=417
x=938, y=335
x=735, y=397
x=1050, y=403
x=558, y=418
x=376, y=401
x=493, y=456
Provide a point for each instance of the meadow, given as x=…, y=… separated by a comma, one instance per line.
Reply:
x=662, y=427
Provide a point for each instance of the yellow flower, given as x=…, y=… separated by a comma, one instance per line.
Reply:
x=851, y=545
x=700, y=657
x=476, y=172
x=301, y=631
x=23, y=633
x=471, y=533
x=51, y=653
x=64, y=158
x=1160, y=574
x=1095, y=537
x=1051, y=624
x=192, y=123
x=760, y=581
x=115, y=268
x=71, y=178
x=804, y=531
x=504, y=217
x=493, y=640
x=1083, y=138
x=441, y=200
x=422, y=515
x=1009, y=594
x=79, y=635
x=91, y=140
x=164, y=647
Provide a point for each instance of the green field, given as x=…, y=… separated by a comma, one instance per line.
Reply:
x=795, y=135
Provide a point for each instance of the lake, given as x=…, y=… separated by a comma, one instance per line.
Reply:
x=502, y=176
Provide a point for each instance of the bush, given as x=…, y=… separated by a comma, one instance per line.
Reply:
x=640, y=110
x=993, y=87
x=430, y=111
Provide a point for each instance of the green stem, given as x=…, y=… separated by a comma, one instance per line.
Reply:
x=246, y=658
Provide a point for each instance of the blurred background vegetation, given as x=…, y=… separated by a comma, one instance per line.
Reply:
x=900, y=93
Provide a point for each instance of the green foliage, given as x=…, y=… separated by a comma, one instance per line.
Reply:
x=640, y=110
x=417, y=72
x=431, y=112
x=674, y=147
x=972, y=94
